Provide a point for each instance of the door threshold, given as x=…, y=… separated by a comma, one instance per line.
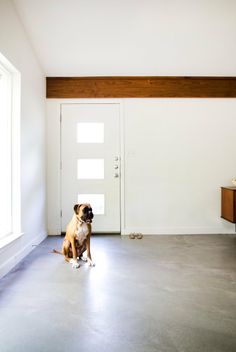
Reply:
x=106, y=233
x=99, y=233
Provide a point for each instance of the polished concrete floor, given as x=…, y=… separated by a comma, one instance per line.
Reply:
x=161, y=293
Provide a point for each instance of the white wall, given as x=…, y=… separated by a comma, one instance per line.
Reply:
x=15, y=46
x=179, y=152
x=177, y=155
x=132, y=37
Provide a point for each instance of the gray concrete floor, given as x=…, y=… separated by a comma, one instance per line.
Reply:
x=164, y=293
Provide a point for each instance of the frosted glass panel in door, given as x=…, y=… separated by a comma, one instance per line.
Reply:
x=90, y=132
x=90, y=169
x=97, y=202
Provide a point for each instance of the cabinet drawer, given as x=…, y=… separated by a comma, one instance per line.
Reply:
x=228, y=203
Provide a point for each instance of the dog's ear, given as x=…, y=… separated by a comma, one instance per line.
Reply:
x=76, y=208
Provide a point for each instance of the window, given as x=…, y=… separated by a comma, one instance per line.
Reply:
x=9, y=149
x=5, y=153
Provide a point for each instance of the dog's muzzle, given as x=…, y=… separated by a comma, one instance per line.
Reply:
x=87, y=216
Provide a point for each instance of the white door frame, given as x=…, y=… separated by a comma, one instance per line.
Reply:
x=122, y=149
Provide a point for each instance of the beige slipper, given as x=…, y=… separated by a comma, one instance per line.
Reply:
x=139, y=236
x=132, y=236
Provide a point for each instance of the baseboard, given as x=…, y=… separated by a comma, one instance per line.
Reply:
x=179, y=230
x=21, y=254
x=54, y=232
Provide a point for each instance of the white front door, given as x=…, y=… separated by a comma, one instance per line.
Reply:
x=90, y=162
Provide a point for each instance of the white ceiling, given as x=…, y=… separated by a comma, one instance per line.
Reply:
x=132, y=37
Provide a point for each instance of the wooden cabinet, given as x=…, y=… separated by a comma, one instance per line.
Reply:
x=228, y=203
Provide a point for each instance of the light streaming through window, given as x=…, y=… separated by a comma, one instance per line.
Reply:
x=5, y=153
x=10, y=202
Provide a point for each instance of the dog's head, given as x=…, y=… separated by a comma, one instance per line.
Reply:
x=84, y=212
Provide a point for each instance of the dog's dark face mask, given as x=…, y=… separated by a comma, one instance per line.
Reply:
x=87, y=215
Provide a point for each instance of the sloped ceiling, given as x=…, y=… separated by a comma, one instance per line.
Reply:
x=132, y=37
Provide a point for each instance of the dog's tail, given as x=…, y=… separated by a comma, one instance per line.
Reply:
x=56, y=251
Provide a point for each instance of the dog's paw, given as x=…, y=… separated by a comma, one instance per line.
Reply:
x=75, y=264
x=82, y=258
x=90, y=262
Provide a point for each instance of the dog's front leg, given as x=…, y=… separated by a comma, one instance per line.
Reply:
x=89, y=257
x=73, y=261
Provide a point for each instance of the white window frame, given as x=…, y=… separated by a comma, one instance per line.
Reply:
x=13, y=110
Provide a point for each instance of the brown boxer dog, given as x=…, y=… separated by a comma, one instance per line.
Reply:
x=77, y=238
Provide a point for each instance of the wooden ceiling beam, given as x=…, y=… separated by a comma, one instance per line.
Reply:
x=141, y=87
